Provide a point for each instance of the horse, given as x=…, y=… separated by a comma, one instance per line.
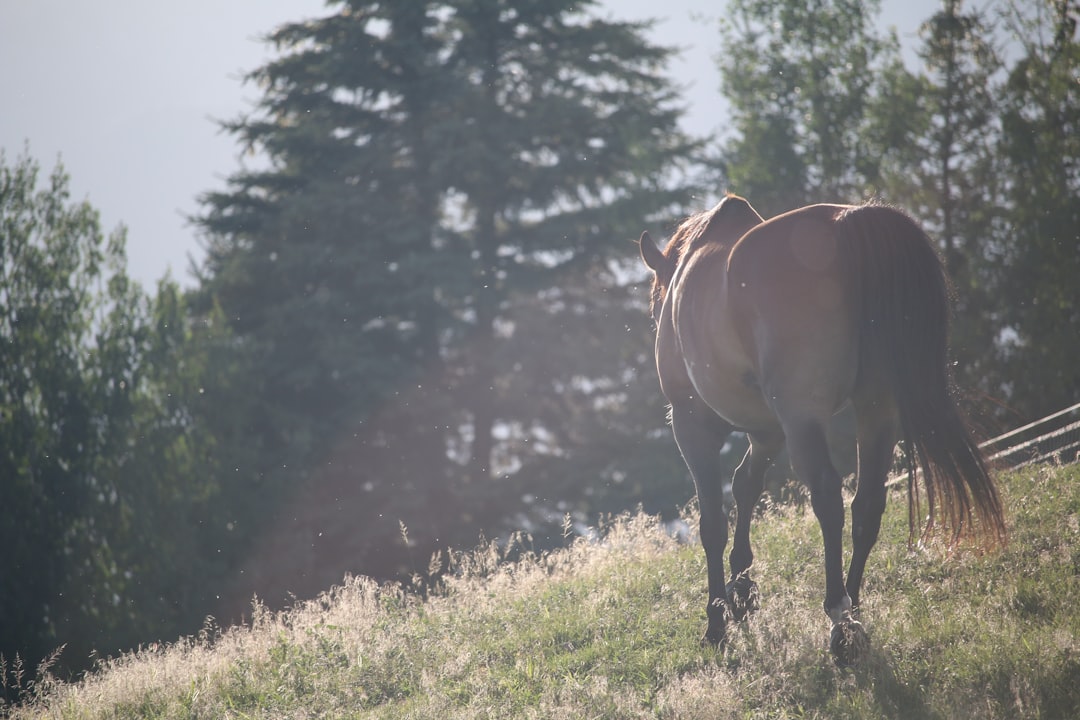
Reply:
x=772, y=327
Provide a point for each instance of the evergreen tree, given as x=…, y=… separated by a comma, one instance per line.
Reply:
x=439, y=172
x=567, y=143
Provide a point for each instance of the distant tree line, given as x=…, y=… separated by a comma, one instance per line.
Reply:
x=421, y=318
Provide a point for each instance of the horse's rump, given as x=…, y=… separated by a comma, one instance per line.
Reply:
x=903, y=295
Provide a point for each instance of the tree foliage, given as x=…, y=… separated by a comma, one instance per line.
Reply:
x=420, y=277
x=55, y=388
x=108, y=497
x=804, y=81
x=946, y=171
x=1038, y=259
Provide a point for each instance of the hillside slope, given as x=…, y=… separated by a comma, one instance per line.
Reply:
x=610, y=630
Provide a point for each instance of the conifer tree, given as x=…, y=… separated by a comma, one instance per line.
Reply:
x=439, y=173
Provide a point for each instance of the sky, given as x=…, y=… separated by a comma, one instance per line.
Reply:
x=127, y=94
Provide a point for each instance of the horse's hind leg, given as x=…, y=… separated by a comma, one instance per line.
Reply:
x=810, y=460
x=700, y=434
x=877, y=436
x=749, y=482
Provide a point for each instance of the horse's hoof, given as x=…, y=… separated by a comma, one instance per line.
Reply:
x=718, y=612
x=713, y=638
x=848, y=643
x=744, y=596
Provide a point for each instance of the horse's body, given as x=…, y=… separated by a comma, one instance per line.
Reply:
x=772, y=327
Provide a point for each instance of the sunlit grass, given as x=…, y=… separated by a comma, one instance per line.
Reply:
x=610, y=630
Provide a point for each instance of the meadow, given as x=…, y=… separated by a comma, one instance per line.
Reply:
x=609, y=628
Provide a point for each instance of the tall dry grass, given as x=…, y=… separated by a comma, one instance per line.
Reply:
x=609, y=629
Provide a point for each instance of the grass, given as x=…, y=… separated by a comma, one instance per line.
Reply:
x=610, y=630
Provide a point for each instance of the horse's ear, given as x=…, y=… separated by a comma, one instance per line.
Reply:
x=651, y=255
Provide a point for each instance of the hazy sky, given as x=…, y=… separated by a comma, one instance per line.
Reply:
x=126, y=93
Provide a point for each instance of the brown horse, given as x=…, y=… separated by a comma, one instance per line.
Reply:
x=771, y=328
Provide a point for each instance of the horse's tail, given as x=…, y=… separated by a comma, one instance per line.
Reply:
x=903, y=293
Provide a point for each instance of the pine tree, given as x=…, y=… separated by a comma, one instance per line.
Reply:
x=438, y=172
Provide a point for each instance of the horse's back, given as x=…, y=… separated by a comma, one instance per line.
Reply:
x=795, y=247
x=764, y=319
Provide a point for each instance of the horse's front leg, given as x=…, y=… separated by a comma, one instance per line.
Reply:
x=700, y=434
x=748, y=485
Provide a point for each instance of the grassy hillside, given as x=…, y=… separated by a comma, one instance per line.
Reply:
x=610, y=630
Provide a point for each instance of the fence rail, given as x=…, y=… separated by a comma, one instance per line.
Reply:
x=1055, y=437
